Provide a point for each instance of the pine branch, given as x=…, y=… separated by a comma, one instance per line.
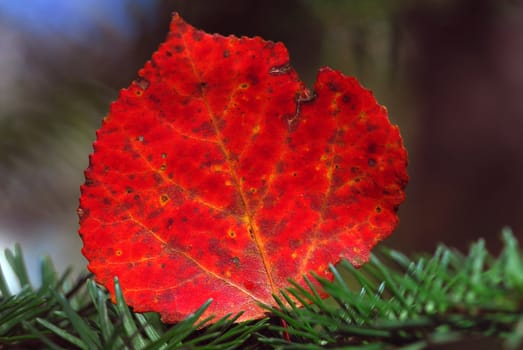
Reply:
x=393, y=302
x=399, y=302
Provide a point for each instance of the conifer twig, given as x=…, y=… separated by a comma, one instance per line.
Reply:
x=392, y=302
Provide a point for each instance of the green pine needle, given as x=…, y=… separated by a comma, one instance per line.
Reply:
x=392, y=302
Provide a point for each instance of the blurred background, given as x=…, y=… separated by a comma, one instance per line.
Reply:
x=449, y=72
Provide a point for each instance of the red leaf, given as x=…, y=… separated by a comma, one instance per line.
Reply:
x=217, y=174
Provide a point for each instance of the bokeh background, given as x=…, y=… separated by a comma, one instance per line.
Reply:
x=450, y=73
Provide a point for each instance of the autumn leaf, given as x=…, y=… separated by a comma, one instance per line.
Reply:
x=217, y=174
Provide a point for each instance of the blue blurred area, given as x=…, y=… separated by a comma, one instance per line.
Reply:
x=76, y=20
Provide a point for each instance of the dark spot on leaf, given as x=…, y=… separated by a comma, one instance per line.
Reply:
x=253, y=78
x=226, y=53
x=294, y=243
x=371, y=127
x=346, y=98
x=154, y=214
x=333, y=87
x=231, y=234
x=179, y=48
x=372, y=162
x=155, y=98
x=378, y=209
x=197, y=35
x=157, y=178
x=201, y=87
x=236, y=261
x=129, y=190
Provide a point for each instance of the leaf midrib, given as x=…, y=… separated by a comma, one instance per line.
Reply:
x=252, y=229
